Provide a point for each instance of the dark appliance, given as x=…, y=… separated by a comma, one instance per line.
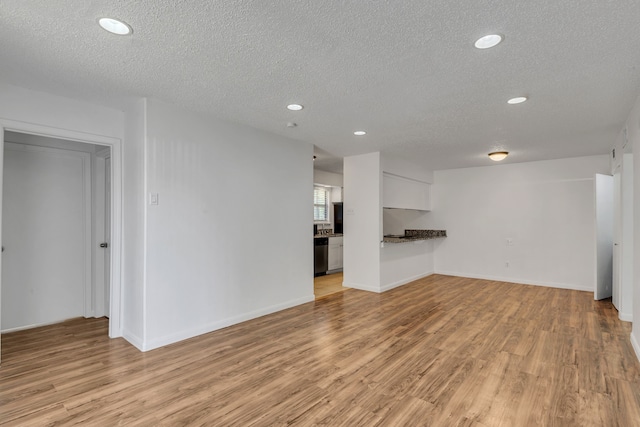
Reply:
x=320, y=256
x=337, y=218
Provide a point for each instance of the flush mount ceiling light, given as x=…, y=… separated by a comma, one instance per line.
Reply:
x=517, y=100
x=496, y=156
x=359, y=133
x=488, y=41
x=115, y=27
x=295, y=107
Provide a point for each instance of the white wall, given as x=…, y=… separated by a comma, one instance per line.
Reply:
x=362, y=217
x=546, y=208
x=327, y=178
x=133, y=293
x=395, y=221
x=404, y=262
x=220, y=247
x=626, y=271
x=402, y=167
x=45, y=109
x=633, y=136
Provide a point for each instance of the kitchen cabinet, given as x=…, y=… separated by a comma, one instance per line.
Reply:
x=335, y=253
x=405, y=193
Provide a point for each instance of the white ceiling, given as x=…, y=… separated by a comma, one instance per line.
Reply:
x=404, y=71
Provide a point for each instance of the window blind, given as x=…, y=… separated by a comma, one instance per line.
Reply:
x=320, y=204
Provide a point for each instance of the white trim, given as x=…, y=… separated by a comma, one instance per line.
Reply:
x=115, y=319
x=361, y=287
x=213, y=326
x=516, y=281
x=635, y=345
x=133, y=339
x=387, y=287
x=145, y=222
x=98, y=175
x=402, y=282
x=625, y=317
x=35, y=325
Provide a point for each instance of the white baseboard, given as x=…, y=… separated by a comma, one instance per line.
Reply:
x=390, y=286
x=361, y=287
x=635, y=345
x=386, y=287
x=625, y=317
x=213, y=326
x=36, y=325
x=133, y=339
x=516, y=280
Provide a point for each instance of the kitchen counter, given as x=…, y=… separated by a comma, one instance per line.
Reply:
x=318, y=236
x=415, y=235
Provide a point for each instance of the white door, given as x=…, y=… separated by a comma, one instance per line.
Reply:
x=604, y=236
x=46, y=235
x=616, y=289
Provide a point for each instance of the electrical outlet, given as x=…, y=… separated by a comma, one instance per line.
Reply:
x=506, y=264
x=509, y=241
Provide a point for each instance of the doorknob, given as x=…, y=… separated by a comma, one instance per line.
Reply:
x=104, y=245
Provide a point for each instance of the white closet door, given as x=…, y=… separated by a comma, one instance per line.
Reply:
x=45, y=234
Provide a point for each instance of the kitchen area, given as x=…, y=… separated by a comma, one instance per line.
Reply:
x=327, y=233
x=391, y=237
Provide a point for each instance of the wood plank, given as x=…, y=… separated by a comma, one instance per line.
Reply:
x=440, y=351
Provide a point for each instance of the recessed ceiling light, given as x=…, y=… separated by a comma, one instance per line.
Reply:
x=496, y=156
x=295, y=107
x=359, y=133
x=488, y=41
x=115, y=27
x=517, y=100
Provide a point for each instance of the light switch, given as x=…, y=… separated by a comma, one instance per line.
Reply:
x=509, y=241
x=153, y=198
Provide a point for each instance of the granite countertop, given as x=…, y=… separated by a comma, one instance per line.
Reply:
x=318, y=236
x=415, y=235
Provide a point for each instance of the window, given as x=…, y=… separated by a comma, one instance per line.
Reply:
x=320, y=204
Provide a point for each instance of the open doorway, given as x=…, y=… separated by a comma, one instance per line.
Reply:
x=328, y=237
x=54, y=220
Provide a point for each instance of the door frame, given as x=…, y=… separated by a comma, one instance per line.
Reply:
x=99, y=227
x=116, y=306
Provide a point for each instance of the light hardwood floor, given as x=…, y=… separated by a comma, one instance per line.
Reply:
x=327, y=285
x=442, y=351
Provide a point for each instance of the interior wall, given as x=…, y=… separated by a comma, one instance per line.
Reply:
x=633, y=136
x=403, y=167
x=402, y=263
x=133, y=293
x=544, y=209
x=327, y=178
x=362, y=217
x=220, y=247
x=626, y=271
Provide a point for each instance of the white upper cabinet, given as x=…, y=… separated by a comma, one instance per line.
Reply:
x=405, y=193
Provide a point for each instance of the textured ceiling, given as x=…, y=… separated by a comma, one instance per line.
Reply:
x=405, y=71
